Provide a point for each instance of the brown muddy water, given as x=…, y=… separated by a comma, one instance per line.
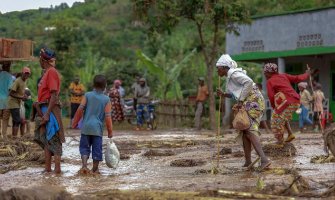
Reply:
x=182, y=160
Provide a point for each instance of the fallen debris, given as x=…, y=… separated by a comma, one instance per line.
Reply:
x=16, y=154
x=322, y=159
x=248, y=195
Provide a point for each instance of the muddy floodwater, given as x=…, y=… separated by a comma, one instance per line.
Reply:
x=183, y=160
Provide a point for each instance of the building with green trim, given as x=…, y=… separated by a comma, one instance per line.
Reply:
x=292, y=40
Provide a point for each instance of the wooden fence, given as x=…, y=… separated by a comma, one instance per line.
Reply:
x=175, y=113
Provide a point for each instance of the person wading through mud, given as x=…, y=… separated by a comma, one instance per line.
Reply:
x=95, y=108
x=49, y=133
x=6, y=82
x=200, y=100
x=16, y=96
x=305, y=106
x=283, y=98
x=241, y=88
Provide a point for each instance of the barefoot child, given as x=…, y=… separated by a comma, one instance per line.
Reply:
x=95, y=108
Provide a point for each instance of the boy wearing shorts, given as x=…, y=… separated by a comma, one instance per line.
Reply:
x=95, y=108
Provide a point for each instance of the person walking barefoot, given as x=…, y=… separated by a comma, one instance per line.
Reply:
x=49, y=133
x=240, y=87
x=283, y=98
x=95, y=108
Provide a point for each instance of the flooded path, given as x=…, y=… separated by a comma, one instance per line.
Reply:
x=155, y=161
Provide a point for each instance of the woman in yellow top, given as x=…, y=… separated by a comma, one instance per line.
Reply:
x=305, y=101
x=77, y=91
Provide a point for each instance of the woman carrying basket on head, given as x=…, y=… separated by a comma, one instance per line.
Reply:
x=241, y=87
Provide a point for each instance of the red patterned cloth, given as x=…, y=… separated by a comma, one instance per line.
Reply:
x=117, y=110
x=282, y=83
x=278, y=120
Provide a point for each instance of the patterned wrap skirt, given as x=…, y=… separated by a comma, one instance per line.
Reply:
x=54, y=145
x=278, y=121
x=254, y=105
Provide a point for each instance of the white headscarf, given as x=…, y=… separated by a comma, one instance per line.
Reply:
x=225, y=60
x=303, y=85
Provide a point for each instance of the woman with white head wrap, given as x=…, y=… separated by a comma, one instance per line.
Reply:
x=305, y=101
x=241, y=87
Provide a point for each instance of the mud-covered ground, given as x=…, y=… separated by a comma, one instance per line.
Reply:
x=184, y=161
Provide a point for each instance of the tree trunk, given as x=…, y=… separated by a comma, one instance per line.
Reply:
x=209, y=64
x=212, y=107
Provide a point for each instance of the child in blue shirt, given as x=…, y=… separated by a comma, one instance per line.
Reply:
x=95, y=108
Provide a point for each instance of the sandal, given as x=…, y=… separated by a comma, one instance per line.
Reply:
x=290, y=138
x=264, y=165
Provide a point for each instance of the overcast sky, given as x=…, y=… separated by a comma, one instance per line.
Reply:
x=18, y=5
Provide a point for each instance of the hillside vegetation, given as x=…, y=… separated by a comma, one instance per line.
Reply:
x=102, y=36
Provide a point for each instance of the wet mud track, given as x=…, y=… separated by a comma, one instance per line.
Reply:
x=183, y=160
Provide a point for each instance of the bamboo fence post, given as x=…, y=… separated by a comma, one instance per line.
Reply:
x=218, y=130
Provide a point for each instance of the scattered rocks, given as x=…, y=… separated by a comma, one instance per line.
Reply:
x=274, y=150
x=187, y=163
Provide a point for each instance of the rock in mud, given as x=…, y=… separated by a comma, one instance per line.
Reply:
x=187, y=163
x=225, y=151
x=156, y=152
x=274, y=150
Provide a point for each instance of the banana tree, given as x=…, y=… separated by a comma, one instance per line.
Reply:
x=168, y=87
x=93, y=64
